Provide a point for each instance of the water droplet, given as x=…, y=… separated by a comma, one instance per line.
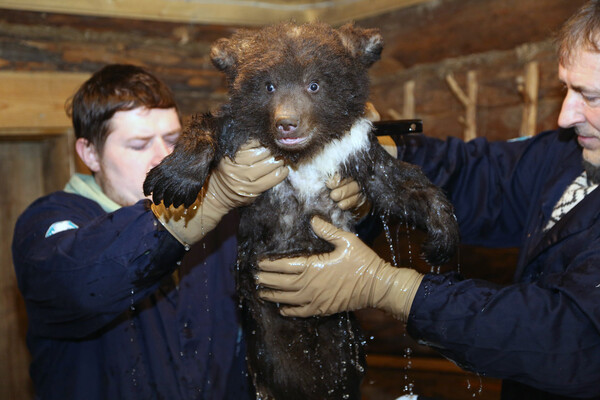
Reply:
x=408, y=241
x=388, y=236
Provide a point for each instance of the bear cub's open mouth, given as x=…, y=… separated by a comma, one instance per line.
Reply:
x=292, y=139
x=292, y=142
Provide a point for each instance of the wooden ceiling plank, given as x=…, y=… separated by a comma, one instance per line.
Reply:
x=240, y=12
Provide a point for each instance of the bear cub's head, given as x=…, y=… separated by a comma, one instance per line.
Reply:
x=297, y=87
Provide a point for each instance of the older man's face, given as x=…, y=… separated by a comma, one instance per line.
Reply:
x=581, y=106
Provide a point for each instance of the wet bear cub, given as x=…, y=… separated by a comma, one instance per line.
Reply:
x=301, y=91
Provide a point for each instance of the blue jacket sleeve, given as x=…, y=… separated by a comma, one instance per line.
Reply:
x=544, y=334
x=543, y=331
x=487, y=182
x=77, y=281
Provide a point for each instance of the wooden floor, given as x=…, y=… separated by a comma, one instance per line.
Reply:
x=398, y=365
x=434, y=378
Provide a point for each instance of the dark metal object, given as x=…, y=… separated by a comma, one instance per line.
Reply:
x=398, y=127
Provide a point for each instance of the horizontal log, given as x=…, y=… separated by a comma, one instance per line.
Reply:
x=30, y=100
x=240, y=12
x=177, y=53
x=437, y=30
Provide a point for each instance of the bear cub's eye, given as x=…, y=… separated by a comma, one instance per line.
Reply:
x=313, y=87
x=270, y=87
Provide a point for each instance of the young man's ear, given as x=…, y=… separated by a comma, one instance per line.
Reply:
x=88, y=154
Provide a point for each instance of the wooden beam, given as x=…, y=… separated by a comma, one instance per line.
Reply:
x=36, y=100
x=433, y=31
x=528, y=86
x=232, y=12
x=469, y=102
x=409, y=100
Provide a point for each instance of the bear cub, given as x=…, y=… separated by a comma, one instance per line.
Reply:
x=301, y=90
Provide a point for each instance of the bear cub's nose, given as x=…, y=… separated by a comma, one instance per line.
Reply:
x=286, y=125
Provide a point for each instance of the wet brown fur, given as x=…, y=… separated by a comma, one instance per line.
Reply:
x=300, y=358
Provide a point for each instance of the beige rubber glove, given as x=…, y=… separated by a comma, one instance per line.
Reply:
x=348, y=196
x=232, y=184
x=349, y=278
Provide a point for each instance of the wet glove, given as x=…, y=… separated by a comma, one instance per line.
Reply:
x=349, y=278
x=232, y=184
x=348, y=196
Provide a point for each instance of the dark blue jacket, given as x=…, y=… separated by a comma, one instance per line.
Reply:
x=106, y=318
x=542, y=333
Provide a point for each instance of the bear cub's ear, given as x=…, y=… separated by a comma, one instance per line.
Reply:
x=223, y=54
x=364, y=44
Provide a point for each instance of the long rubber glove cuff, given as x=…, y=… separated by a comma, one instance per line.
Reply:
x=394, y=290
x=232, y=184
x=188, y=225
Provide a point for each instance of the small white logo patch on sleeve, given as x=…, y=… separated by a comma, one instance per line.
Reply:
x=60, y=226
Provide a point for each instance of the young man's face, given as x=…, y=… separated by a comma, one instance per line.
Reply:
x=138, y=140
x=581, y=106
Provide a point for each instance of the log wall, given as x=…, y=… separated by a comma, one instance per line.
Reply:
x=30, y=168
x=496, y=39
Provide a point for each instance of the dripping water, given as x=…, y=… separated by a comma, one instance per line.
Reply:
x=404, y=227
x=458, y=260
x=347, y=332
x=133, y=372
x=408, y=241
x=409, y=385
x=356, y=356
x=386, y=228
x=475, y=391
x=132, y=303
x=206, y=293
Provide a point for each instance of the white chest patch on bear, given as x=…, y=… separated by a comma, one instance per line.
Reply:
x=309, y=178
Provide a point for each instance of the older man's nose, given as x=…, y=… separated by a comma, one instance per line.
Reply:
x=572, y=112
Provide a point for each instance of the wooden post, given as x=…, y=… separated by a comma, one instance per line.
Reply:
x=409, y=100
x=469, y=101
x=408, y=111
x=528, y=87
